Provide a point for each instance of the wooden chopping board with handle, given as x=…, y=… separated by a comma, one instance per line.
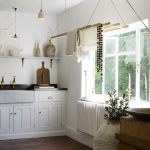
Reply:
x=43, y=76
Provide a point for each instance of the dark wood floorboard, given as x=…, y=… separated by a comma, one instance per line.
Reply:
x=50, y=143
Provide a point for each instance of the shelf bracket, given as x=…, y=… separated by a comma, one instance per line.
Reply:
x=51, y=63
x=22, y=62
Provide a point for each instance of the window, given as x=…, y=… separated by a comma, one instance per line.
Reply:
x=126, y=55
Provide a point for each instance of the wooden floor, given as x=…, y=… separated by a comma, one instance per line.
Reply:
x=51, y=143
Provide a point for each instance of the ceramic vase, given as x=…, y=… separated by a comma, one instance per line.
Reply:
x=50, y=50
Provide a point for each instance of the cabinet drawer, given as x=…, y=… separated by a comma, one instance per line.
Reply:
x=50, y=96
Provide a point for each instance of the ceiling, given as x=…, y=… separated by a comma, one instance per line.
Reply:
x=33, y=6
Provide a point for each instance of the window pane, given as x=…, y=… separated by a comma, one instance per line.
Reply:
x=144, y=73
x=127, y=65
x=110, y=73
x=98, y=83
x=127, y=41
x=110, y=45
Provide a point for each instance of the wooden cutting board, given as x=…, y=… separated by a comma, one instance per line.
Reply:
x=43, y=76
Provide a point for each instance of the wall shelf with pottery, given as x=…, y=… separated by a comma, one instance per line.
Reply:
x=30, y=57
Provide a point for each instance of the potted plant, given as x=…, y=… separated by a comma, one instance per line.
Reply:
x=116, y=107
x=114, y=110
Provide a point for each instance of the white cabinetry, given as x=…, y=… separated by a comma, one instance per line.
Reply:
x=16, y=118
x=49, y=117
x=6, y=119
x=51, y=110
x=23, y=118
x=44, y=117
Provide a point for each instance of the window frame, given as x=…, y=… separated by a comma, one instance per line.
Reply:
x=136, y=52
x=116, y=55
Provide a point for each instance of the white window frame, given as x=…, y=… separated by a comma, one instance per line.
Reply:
x=90, y=93
x=136, y=52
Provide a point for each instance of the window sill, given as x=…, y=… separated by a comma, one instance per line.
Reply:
x=139, y=104
x=100, y=99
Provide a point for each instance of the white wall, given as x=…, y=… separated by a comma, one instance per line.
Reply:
x=29, y=30
x=69, y=74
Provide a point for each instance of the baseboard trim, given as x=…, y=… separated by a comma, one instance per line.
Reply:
x=79, y=136
x=33, y=134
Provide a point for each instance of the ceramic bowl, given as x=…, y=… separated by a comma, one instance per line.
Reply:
x=15, y=52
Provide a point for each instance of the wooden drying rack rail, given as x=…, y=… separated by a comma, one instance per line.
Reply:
x=106, y=26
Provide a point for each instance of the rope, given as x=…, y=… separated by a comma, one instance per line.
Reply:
x=58, y=23
x=116, y=9
x=138, y=15
x=93, y=12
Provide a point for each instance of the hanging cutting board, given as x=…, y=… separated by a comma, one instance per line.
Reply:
x=43, y=77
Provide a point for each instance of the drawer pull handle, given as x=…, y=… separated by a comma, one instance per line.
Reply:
x=40, y=112
x=50, y=97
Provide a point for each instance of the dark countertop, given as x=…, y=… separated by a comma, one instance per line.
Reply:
x=28, y=87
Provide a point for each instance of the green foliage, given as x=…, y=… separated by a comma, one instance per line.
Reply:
x=126, y=66
x=98, y=82
x=116, y=106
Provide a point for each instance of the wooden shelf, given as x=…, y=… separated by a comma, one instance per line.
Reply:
x=30, y=57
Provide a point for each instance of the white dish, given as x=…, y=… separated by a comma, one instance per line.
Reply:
x=15, y=52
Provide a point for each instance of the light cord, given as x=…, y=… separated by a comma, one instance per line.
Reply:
x=65, y=5
x=137, y=15
x=15, y=9
x=41, y=5
x=15, y=19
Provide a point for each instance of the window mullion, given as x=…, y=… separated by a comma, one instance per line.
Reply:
x=117, y=65
x=137, y=87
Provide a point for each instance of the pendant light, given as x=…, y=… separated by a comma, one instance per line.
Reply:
x=15, y=35
x=41, y=14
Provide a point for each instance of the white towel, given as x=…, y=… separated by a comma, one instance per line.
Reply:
x=88, y=37
x=72, y=42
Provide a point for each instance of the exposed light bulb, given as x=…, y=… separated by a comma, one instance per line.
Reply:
x=41, y=14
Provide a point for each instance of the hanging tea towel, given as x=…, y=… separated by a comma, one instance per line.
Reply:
x=72, y=42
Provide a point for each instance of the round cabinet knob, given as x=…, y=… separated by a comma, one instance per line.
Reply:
x=11, y=113
x=50, y=97
x=15, y=113
x=40, y=112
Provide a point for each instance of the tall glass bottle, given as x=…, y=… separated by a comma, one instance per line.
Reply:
x=37, y=50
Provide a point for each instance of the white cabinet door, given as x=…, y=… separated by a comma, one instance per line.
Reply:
x=6, y=119
x=43, y=117
x=55, y=119
x=23, y=118
x=49, y=116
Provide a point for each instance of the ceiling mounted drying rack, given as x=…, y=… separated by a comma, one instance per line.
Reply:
x=106, y=26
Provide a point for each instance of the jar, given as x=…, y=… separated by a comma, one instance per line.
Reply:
x=50, y=50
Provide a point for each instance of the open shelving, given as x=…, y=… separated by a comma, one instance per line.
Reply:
x=30, y=57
